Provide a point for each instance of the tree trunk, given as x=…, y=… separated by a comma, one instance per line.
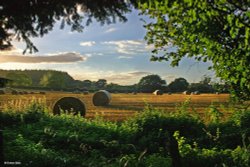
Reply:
x=174, y=151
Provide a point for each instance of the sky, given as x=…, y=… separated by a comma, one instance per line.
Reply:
x=115, y=52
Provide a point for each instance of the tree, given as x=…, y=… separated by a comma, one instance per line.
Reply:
x=206, y=80
x=25, y=19
x=101, y=83
x=150, y=83
x=216, y=31
x=178, y=85
x=19, y=79
x=204, y=86
x=86, y=83
x=53, y=80
x=4, y=82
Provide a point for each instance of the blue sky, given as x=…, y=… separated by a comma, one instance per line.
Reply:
x=115, y=52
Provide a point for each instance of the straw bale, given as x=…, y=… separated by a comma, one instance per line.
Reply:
x=101, y=98
x=158, y=92
x=69, y=105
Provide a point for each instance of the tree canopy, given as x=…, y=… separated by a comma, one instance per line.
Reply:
x=178, y=85
x=55, y=80
x=216, y=31
x=150, y=83
x=23, y=19
x=101, y=83
x=19, y=79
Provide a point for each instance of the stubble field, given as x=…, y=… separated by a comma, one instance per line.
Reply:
x=123, y=106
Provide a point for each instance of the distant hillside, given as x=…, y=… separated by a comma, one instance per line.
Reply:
x=39, y=78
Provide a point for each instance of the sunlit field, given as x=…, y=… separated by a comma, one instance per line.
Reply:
x=123, y=106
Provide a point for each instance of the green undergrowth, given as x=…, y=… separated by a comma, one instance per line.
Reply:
x=36, y=138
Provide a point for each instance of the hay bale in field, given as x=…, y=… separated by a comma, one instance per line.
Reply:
x=14, y=92
x=71, y=105
x=158, y=92
x=186, y=92
x=196, y=93
x=76, y=92
x=101, y=98
x=85, y=92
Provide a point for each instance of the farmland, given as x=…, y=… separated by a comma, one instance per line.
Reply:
x=147, y=139
x=124, y=105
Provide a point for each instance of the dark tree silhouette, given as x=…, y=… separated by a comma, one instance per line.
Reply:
x=150, y=83
x=178, y=85
x=23, y=19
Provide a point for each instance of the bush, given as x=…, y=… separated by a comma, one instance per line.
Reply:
x=154, y=128
x=194, y=156
x=34, y=112
x=228, y=134
x=9, y=118
x=31, y=114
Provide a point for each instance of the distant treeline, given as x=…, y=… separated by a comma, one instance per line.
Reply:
x=62, y=81
x=57, y=80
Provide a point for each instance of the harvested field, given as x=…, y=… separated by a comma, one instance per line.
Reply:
x=123, y=106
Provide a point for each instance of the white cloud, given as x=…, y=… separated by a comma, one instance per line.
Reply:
x=88, y=43
x=110, y=30
x=129, y=47
x=66, y=57
x=123, y=78
x=169, y=78
x=99, y=54
x=88, y=55
x=12, y=51
x=125, y=57
x=139, y=73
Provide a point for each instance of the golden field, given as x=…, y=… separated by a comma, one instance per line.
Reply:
x=123, y=106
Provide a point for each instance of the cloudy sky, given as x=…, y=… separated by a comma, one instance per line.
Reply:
x=115, y=52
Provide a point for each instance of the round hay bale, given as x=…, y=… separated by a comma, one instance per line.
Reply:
x=14, y=92
x=77, y=92
x=196, y=92
x=85, y=92
x=101, y=98
x=71, y=105
x=186, y=92
x=158, y=92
